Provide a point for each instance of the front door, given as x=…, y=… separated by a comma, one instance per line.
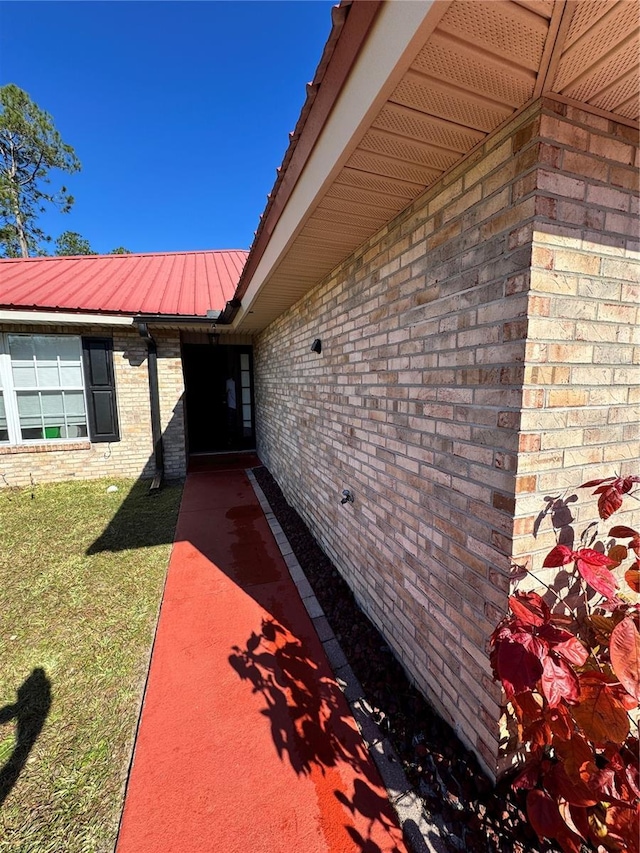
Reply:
x=219, y=397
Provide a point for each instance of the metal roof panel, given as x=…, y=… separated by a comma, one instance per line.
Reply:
x=172, y=283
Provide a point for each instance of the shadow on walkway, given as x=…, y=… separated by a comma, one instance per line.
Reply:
x=278, y=767
x=30, y=712
x=310, y=724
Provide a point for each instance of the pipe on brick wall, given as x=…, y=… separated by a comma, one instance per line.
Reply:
x=154, y=401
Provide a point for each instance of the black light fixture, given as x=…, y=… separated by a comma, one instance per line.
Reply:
x=316, y=346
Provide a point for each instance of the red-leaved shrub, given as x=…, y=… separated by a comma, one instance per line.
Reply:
x=571, y=679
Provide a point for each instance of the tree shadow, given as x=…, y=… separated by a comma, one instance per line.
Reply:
x=311, y=724
x=30, y=712
x=566, y=589
x=559, y=511
x=305, y=709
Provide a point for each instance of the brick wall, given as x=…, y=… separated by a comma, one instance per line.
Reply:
x=132, y=455
x=581, y=403
x=415, y=402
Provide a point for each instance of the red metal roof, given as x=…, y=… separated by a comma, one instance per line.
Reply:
x=178, y=283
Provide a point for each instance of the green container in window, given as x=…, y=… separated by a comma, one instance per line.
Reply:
x=52, y=432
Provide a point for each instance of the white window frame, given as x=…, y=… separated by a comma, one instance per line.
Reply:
x=10, y=393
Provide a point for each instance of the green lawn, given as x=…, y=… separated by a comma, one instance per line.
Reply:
x=81, y=577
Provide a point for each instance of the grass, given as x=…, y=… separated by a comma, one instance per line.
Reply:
x=81, y=576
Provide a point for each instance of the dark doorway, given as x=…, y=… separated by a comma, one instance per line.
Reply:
x=219, y=397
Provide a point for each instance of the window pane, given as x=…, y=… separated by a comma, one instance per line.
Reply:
x=32, y=433
x=48, y=376
x=71, y=376
x=74, y=431
x=74, y=406
x=24, y=376
x=68, y=349
x=244, y=361
x=4, y=432
x=245, y=379
x=21, y=347
x=29, y=409
x=46, y=347
x=246, y=395
x=52, y=405
x=246, y=413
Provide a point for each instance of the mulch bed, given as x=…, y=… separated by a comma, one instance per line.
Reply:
x=473, y=815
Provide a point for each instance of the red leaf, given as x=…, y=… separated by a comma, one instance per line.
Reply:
x=560, y=723
x=543, y=814
x=518, y=668
x=632, y=577
x=591, y=565
x=600, y=714
x=565, y=644
x=537, y=735
x=622, y=532
x=574, y=791
x=528, y=776
x=624, y=653
x=559, y=682
x=558, y=556
x=528, y=707
x=623, y=829
x=602, y=489
x=574, y=754
x=609, y=502
x=591, y=483
x=593, y=557
x=617, y=553
x=627, y=484
x=575, y=818
x=530, y=608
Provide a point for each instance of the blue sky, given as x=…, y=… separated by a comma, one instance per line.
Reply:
x=178, y=111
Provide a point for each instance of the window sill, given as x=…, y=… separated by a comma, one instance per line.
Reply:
x=9, y=449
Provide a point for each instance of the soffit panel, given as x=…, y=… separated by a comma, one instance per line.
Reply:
x=544, y=8
x=586, y=15
x=631, y=108
x=604, y=73
x=504, y=29
x=459, y=63
x=408, y=150
x=441, y=99
x=431, y=129
x=374, y=198
x=624, y=89
x=392, y=167
x=378, y=183
x=483, y=61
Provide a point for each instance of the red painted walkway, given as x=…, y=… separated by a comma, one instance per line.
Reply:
x=246, y=744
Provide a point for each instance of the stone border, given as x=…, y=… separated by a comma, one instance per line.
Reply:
x=420, y=834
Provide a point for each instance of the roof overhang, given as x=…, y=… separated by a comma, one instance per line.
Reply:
x=427, y=83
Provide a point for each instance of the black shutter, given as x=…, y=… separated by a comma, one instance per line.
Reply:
x=97, y=358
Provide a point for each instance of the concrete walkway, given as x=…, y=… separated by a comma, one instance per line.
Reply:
x=246, y=743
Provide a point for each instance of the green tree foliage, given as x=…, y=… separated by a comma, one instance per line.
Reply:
x=72, y=243
x=120, y=250
x=30, y=147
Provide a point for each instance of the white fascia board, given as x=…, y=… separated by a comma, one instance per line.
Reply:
x=60, y=317
x=398, y=33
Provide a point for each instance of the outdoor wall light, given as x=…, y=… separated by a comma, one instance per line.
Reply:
x=347, y=497
x=316, y=346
